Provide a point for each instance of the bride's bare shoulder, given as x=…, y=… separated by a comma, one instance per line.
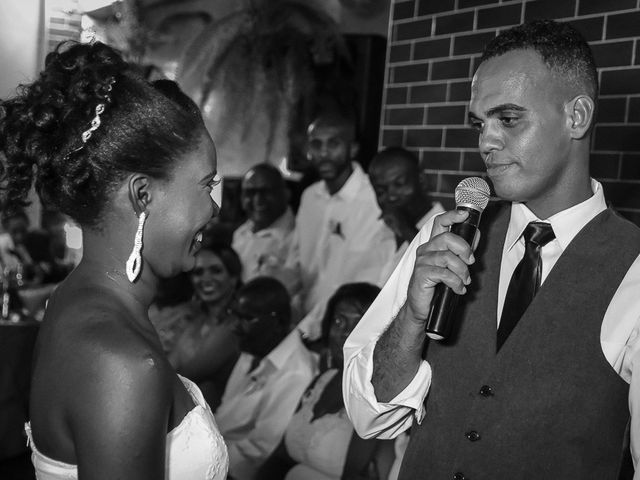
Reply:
x=97, y=331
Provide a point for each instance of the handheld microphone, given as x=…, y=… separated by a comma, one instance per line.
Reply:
x=472, y=195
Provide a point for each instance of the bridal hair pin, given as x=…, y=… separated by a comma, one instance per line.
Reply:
x=95, y=121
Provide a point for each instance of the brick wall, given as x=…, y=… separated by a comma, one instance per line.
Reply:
x=433, y=50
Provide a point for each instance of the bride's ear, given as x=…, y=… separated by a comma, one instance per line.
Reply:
x=140, y=194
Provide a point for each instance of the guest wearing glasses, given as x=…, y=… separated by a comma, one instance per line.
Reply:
x=320, y=443
x=268, y=379
x=264, y=240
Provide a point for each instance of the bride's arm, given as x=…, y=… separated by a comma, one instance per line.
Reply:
x=120, y=419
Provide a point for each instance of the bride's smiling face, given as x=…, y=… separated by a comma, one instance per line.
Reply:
x=182, y=207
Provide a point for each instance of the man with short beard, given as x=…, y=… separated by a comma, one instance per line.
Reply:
x=339, y=237
x=539, y=379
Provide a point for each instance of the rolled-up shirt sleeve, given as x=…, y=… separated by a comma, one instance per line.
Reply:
x=371, y=418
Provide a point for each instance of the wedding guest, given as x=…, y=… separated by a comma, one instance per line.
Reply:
x=339, y=237
x=320, y=443
x=207, y=348
x=264, y=240
x=268, y=379
x=136, y=170
x=172, y=309
x=406, y=206
x=14, y=255
x=56, y=247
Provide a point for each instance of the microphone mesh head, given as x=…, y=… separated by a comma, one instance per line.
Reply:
x=473, y=192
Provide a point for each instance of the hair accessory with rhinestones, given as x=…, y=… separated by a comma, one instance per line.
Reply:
x=95, y=121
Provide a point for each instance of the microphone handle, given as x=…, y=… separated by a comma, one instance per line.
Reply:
x=443, y=305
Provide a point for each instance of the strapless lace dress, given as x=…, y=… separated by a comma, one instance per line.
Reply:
x=195, y=448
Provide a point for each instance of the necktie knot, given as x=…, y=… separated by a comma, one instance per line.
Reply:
x=538, y=233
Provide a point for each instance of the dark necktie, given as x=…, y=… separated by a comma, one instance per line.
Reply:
x=525, y=281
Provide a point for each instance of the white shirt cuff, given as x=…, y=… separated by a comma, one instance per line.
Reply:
x=413, y=394
x=383, y=420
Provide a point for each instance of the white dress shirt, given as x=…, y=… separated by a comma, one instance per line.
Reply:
x=338, y=239
x=396, y=256
x=264, y=252
x=619, y=333
x=257, y=405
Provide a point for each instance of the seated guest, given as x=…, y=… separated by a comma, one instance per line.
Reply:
x=268, y=379
x=263, y=241
x=36, y=259
x=172, y=310
x=339, y=237
x=14, y=255
x=406, y=206
x=320, y=443
x=208, y=348
x=49, y=249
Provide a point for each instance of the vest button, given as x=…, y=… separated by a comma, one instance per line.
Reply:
x=486, y=391
x=473, y=436
x=458, y=476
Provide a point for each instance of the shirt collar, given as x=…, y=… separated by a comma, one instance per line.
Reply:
x=436, y=207
x=351, y=187
x=284, y=222
x=566, y=224
x=278, y=357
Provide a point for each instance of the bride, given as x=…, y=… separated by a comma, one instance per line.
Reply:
x=133, y=164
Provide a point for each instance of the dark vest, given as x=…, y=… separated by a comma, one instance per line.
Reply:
x=548, y=406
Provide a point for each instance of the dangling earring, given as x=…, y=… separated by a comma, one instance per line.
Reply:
x=134, y=262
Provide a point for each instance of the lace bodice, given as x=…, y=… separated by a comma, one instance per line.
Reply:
x=195, y=448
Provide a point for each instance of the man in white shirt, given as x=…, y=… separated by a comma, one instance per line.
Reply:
x=339, y=237
x=555, y=398
x=402, y=197
x=264, y=240
x=268, y=380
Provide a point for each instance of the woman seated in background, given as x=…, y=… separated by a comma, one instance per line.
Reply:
x=207, y=348
x=172, y=310
x=320, y=443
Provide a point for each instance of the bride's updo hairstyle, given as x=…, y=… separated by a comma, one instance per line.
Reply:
x=88, y=121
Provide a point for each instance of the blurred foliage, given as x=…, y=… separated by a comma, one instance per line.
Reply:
x=279, y=58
